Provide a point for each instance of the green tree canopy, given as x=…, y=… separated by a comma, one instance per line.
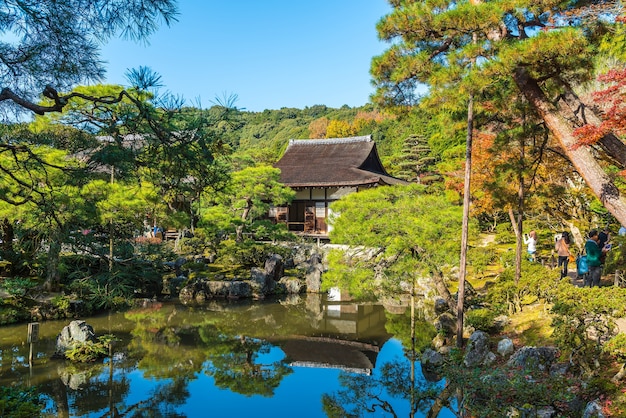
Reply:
x=54, y=45
x=401, y=232
x=539, y=50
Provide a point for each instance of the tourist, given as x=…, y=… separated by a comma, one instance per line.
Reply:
x=531, y=240
x=562, y=249
x=594, y=252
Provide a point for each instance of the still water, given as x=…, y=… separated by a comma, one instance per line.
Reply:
x=301, y=357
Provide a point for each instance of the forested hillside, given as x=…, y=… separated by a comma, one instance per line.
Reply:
x=409, y=144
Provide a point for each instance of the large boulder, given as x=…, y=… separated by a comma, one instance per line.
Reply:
x=441, y=306
x=234, y=289
x=290, y=286
x=261, y=283
x=540, y=358
x=274, y=267
x=314, y=274
x=431, y=361
x=446, y=324
x=76, y=332
x=477, y=352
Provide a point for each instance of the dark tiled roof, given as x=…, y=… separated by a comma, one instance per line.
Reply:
x=333, y=162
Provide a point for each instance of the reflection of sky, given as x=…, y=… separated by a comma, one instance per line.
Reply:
x=299, y=394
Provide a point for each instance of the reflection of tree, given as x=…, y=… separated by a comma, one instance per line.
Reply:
x=165, y=350
x=233, y=363
x=400, y=327
x=160, y=403
x=396, y=380
x=373, y=394
x=171, y=344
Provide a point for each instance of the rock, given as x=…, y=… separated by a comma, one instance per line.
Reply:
x=228, y=289
x=540, y=358
x=490, y=358
x=178, y=264
x=274, y=267
x=441, y=306
x=527, y=412
x=559, y=369
x=314, y=274
x=76, y=332
x=477, y=352
x=446, y=324
x=546, y=412
x=74, y=380
x=593, y=410
x=190, y=292
x=505, y=347
x=501, y=321
x=430, y=362
x=261, y=283
x=186, y=294
x=290, y=285
x=431, y=359
x=439, y=341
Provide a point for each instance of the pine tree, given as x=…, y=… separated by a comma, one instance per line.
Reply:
x=540, y=49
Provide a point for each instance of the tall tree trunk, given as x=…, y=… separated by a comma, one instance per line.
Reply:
x=111, y=228
x=8, y=233
x=581, y=157
x=244, y=218
x=517, y=225
x=465, y=226
x=54, y=255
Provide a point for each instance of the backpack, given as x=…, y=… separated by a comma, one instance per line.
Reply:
x=581, y=265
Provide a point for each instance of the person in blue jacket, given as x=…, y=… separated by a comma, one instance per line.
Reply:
x=594, y=254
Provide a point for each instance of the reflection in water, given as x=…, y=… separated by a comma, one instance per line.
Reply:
x=226, y=358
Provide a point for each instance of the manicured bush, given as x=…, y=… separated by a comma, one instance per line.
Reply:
x=481, y=319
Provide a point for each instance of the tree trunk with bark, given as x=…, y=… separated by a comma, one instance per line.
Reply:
x=244, y=218
x=580, y=156
x=8, y=234
x=54, y=255
x=443, y=291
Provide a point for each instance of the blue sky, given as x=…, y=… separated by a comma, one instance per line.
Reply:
x=270, y=53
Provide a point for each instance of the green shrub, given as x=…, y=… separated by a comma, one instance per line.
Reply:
x=248, y=253
x=481, y=319
x=616, y=346
x=10, y=314
x=62, y=304
x=17, y=286
x=89, y=351
x=504, y=234
x=16, y=402
x=481, y=258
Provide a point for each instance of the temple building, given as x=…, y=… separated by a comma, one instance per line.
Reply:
x=322, y=171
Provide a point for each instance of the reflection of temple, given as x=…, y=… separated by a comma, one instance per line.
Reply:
x=348, y=336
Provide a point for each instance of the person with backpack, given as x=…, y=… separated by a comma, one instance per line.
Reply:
x=594, y=253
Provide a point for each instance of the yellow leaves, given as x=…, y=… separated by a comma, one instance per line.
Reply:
x=339, y=129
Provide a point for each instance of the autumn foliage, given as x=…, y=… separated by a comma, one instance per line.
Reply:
x=611, y=101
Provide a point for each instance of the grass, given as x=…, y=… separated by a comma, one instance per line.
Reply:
x=531, y=327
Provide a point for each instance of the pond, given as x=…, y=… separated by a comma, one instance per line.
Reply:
x=302, y=356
